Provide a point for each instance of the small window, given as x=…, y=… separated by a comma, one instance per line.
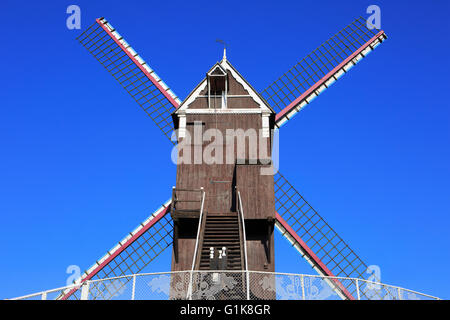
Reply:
x=217, y=88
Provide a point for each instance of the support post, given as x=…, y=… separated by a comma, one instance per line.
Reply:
x=189, y=295
x=44, y=296
x=270, y=227
x=302, y=282
x=175, y=240
x=357, y=290
x=85, y=291
x=268, y=240
x=133, y=289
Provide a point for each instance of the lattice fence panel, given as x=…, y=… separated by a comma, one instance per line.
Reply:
x=232, y=285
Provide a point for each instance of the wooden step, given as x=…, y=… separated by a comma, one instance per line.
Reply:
x=222, y=227
x=229, y=250
x=221, y=231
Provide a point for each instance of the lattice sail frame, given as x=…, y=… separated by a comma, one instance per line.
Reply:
x=130, y=256
x=320, y=69
x=316, y=240
x=132, y=72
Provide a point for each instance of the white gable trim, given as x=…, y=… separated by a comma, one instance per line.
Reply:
x=193, y=96
x=241, y=81
x=228, y=68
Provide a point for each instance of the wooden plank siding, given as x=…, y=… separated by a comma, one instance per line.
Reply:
x=220, y=180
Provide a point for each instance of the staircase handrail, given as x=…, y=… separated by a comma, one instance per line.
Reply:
x=200, y=220
x=244, y=240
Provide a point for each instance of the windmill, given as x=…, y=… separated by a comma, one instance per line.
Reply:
x=222, y=214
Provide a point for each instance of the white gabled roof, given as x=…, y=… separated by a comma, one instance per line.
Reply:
x=227, y=66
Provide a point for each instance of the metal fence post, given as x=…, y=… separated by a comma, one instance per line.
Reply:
x=357, y=290
x=85, y=291
x=44, y=296
x=191, y=276
x=133, y=290
x=302, y=282
x=248, y=285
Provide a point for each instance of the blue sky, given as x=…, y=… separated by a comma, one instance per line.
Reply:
x=81, y=165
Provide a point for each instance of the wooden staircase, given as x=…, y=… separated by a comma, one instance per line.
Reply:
x=222, y=230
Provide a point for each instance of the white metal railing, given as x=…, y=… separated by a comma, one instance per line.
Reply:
x=200, y=220
x=263, y=285
x=241, y=212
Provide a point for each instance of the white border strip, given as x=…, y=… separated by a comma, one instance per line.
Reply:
x=130, y=50
x=224, y=111
x=330, y=81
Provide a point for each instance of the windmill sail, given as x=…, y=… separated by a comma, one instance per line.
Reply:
x=320, y=69
x=129, y=256
x=318, y=243
x=132, y=72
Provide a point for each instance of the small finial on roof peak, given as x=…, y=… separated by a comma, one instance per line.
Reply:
x=224, y=49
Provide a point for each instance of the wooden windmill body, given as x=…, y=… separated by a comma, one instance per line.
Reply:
x=229, y=130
